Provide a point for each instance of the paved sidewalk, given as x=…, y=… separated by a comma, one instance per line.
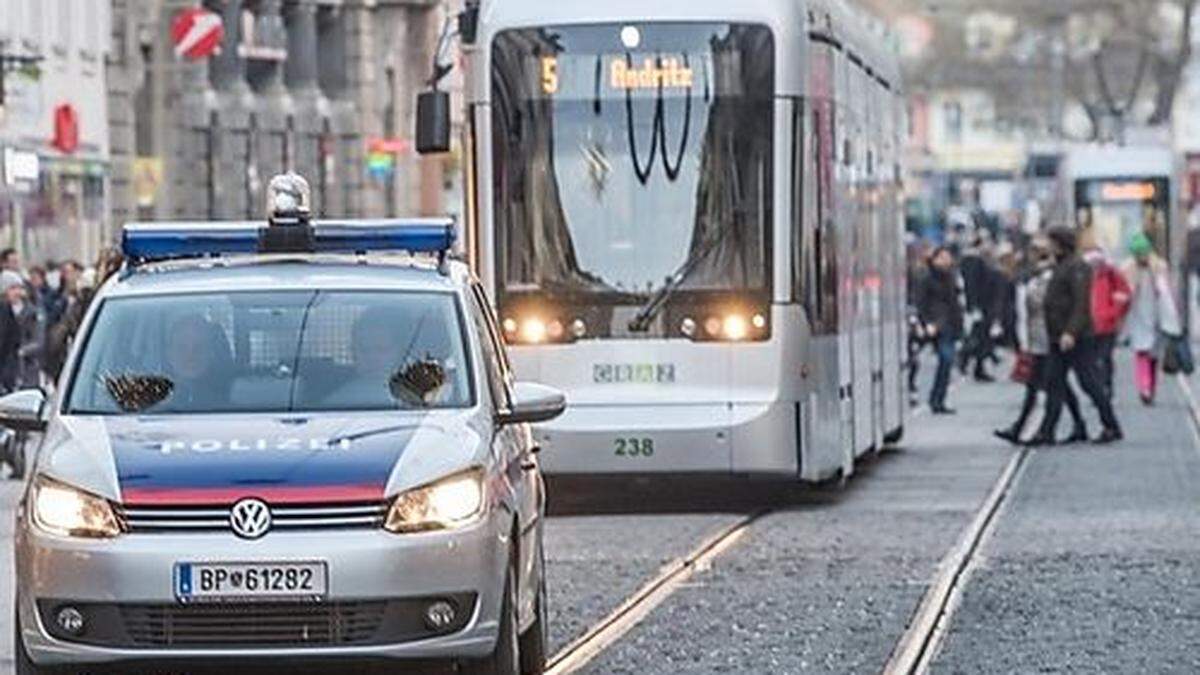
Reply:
x=1095, y=564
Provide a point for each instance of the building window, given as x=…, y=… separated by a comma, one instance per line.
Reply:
x=953, y=121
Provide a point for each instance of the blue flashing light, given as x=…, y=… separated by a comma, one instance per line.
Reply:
x=367, y=236
x=145, y=242
x=167, y=241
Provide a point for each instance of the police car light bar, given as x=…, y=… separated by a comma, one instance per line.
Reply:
x=150, y=242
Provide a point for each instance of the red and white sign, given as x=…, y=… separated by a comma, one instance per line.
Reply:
x=197, y=33
x=66, y=129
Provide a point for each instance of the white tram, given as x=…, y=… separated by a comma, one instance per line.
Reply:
x=1119, y=191
x=689, y=213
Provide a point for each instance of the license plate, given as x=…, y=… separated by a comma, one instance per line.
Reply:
x=231, y=582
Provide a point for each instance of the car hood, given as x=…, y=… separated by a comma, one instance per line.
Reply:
x=206, y=460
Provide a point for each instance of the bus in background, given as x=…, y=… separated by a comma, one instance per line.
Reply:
x=689, y=213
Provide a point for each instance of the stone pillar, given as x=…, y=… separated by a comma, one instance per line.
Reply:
x=270, y=31
x=301, y=68
x=228, y=69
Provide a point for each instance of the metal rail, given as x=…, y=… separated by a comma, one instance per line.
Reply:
x=621, y=620
x=920, y=643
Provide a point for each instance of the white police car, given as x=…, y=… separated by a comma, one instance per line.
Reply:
x=289, y=441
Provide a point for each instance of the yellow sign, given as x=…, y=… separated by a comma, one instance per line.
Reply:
x=1128, y=192
x=550, y=75
x=147, y=177
x=654, y=73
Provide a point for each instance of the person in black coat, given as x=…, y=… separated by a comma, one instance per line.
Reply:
x=1069, y=323
x=10, y=336
x=941, y=311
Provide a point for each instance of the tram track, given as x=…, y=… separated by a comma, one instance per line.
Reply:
x=1193, y=407
x=912, y=653
x=602, y=635
x=919, y=644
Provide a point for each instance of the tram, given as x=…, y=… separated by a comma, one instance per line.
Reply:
x=1120, y=191
x=689, y=213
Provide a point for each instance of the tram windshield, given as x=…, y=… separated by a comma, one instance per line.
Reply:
x=629, y=155
x=1117, y=209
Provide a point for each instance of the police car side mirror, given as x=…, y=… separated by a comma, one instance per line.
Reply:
x=433, y=122
x=22, y=410
x=533, y=403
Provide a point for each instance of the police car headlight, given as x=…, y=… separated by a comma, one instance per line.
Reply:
x=63, y=510
x=449, y=503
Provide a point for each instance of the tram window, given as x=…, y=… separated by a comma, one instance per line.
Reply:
x=799, y=211
x=824, y=289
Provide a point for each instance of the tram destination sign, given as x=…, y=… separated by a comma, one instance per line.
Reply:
x=575, y=75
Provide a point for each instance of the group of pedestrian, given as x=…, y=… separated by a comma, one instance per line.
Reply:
x=1067, y=305
x=40, y=306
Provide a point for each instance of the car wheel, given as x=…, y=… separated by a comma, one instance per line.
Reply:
x=22, y=664
x=505, y=658
x=534, y=640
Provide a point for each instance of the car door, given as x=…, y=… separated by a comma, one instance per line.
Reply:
x=514, y=445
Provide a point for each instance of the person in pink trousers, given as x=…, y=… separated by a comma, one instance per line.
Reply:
x=1152, y=313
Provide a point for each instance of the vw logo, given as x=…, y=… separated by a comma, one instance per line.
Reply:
x=250, y=519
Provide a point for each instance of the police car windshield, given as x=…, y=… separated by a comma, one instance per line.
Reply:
x=289, y=351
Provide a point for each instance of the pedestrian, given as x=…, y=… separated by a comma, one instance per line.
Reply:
x=10, y=260
x=10, y=331
x=942, y=313
x=982, y=288
x=1034, y=341
x=81, y=287
x=918, y=266
x=1069, y=324
x=1152, y=313
x=29, y=324
x=1110, y=302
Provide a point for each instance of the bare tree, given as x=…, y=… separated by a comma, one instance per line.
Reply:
x=1112, y=57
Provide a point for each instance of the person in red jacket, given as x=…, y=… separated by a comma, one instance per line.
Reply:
x=1111, y=297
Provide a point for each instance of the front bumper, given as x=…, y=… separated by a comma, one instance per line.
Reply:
x=372, y=567
x=715, y=438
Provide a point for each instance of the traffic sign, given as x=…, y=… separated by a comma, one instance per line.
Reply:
x=197, y=33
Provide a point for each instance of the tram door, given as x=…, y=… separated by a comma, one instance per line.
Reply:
x=830, y=405
x=847, y=267
x=858, y=222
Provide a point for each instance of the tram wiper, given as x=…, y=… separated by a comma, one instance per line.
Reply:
x=651, y=310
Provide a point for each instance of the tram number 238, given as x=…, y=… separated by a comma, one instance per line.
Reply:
x=633, y=447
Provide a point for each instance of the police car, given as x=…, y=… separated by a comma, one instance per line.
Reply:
x=295, y=440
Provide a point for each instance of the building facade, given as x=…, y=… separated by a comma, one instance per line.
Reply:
x=54, y=140
x=315, y=86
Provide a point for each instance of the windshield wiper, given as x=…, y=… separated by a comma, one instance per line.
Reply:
x=651, y=310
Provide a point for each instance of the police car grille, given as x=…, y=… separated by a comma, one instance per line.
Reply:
x=196, y=519
x=252, y=625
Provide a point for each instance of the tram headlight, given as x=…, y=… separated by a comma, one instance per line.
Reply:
x=533, y=331
x=538, y=329
x=735, y=327
x=728, y=325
